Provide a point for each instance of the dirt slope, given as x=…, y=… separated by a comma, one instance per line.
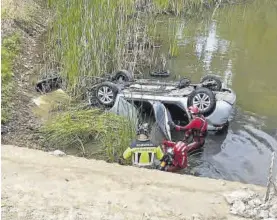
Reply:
x=37, y=185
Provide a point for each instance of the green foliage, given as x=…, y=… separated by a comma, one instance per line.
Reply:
x=90, y=38
x=79, y=128
x=10, y=49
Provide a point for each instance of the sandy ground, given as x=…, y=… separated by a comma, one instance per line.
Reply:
x=37, y=185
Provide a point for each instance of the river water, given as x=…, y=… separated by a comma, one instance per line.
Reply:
x=239, y=43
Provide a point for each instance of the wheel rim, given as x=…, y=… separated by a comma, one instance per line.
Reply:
x=202, y=101
x=105, y=94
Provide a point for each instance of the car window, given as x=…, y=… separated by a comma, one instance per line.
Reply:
x=177, y=113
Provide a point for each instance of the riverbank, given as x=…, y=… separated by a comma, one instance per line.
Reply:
x=37, y=185
x=28, y=21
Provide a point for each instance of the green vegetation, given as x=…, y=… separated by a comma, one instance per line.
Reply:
x=79, y=129
x=90, y=38
x=10, y=49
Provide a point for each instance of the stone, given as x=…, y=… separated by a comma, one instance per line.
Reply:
x=254, y=202
x=58, y=153
x=238, y=208
x=243, y=195
x=273, y=211
x=252, y=212
x=196, y=217
x=146, y=216
x=263, y=214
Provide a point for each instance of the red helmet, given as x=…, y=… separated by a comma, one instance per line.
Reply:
x=194, y=110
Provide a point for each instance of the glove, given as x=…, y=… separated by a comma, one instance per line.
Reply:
x=171, y=125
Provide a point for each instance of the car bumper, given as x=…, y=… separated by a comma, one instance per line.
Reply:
x=220, y=116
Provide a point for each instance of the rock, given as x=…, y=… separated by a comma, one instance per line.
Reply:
x=263, y=214
x=254, y=202
x=4, y=129
x=238, y=208
x=58, y=153
x=243, y=195
x=196, y=217
x=252, y=212
x=146, y=216
x=273, y=211
x=223, y=183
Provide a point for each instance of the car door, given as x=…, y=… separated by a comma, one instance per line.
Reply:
x=126, y=109
x=162, y=117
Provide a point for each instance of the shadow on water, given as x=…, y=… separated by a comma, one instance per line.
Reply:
x=240, y=44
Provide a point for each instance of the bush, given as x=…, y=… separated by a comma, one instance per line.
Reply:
x=108, y=134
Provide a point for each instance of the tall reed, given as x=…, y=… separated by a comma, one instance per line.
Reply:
x=77, y=128
x=91, y=38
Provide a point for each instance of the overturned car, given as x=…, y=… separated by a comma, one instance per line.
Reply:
x=158, y=101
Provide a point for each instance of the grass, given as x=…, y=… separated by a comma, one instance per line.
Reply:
x=90, y=38
x=77, y=128
x=22, y=10
x=10, y=49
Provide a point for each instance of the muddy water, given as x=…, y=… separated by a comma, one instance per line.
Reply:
x=240, y=44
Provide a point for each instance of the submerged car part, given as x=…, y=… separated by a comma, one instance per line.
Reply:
x=49, y=83
x=164, y=73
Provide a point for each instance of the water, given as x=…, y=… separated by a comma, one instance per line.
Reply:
x=240, y=44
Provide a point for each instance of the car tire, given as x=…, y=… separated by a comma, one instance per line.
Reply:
x=156, y=135
x=208, y=100
x=124, y=75
x=184, y=82
x=214, y=78
x=106, y=93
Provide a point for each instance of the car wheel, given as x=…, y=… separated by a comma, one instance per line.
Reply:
x=123, y=76
x=204, y=99
x=156, y=135
x=214, y=81
x=106, y=93
x=184, y=82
